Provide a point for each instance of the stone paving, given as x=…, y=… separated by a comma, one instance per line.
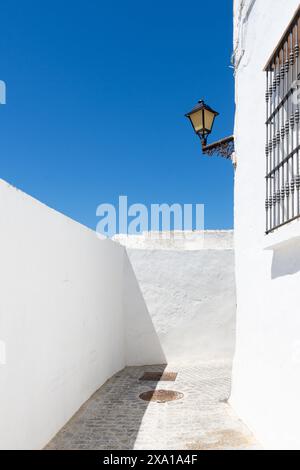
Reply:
x=115, y=418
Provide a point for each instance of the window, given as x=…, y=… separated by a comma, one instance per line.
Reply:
x=283, y=130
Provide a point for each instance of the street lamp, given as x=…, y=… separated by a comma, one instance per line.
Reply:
x=202, y=118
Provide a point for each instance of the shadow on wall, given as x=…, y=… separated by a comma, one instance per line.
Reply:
x=190, y=298
x=286, y=259
x=143, y=346
x=112, y=417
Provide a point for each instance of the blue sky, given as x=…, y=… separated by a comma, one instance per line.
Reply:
x=96, y=97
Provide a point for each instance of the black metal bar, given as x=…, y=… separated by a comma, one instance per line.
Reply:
x=281, y=225
x=277, y=184
x=297, y=118
x=223, y=147
x=273, y=140
x=283, y=162
x=267, y=154
x=282, y=41
x=283, y=131
x=279, y=106
x=218, y=142
x=287, y=127
x=292, y=122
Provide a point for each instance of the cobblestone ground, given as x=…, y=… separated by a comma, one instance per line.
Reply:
x=115, y=418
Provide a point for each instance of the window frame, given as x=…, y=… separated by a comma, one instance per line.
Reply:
x=283, y=129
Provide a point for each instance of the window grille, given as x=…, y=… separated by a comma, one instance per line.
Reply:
x=283, y=130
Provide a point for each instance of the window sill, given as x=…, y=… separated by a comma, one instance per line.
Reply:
x=282, y=235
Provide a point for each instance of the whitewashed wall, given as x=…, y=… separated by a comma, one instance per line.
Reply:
x=61, y=318
x=72, y=313
x=266, y=378
x=188, y=290
x=143, y=346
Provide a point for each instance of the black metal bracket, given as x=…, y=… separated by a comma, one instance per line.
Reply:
x=222, y=148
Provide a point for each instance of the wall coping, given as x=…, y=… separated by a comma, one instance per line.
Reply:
x=179, y=240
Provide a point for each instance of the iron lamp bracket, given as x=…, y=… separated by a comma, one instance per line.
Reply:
x=222, y=148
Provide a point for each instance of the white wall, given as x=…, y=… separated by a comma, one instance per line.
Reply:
x=71, y=315
x=189, y=295
x=72, y=312
x=61, y=318
x=143, y=346
x=266, y=378
x=179, y=240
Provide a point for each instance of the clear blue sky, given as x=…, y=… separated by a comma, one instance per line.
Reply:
x=96, y=96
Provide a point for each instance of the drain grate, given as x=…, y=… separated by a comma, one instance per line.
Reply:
x=159, y=376
x=161, y=396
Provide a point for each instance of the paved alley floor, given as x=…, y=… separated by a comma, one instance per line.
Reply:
x=115, y=418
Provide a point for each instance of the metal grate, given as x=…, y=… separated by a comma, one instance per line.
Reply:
x=283, y=116
x=159, y=376
x=161, y=396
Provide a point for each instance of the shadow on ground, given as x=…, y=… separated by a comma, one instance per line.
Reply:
x=111, y=418
x=115, y=418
